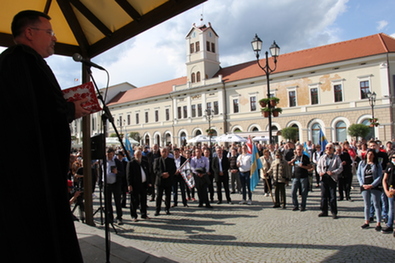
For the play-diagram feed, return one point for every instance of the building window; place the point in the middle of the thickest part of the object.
(179, 113)
(156, 116)
(208, 45)
(208, 105)
(193, 77)
(198, 76)
(167, 114)
(364, 85)
(216, 108)
(185, 111)
(137, 118)
(197, 45)
(193, 111)
(341, 131)
(213, 47)
(146, 117)
(235, 105)
(200, 111)
(338, 92)
(253, 103)
(128, 119)
(191, 48)
(292, 98)
(315, 132)
(314, 96)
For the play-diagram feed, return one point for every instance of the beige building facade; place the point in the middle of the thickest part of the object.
(320, 88)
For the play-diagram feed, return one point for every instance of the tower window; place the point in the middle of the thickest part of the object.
(193, 77)
(191, 48)
(198, 76)
(213, 47)
(197, 45)
(208, 46)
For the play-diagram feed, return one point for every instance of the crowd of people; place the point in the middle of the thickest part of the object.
(168, 173)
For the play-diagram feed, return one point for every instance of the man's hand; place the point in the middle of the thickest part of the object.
(80, 111)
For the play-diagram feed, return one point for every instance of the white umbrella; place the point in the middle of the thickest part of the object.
(231, 138)
(200, 138)
(260, 138)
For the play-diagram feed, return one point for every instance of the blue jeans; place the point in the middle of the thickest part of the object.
(390, 221)
(375, 196)
(296, 184)
(245, 183)
(384, 206)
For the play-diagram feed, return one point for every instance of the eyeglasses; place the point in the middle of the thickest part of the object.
(48, 31)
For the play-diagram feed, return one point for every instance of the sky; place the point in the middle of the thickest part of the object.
(159, 54)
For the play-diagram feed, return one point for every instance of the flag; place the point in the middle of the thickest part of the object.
(256, 166)
(306, 150)
(322, 140)
(128, 146)
(249, 145)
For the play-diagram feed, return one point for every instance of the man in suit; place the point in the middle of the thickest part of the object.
(179, 160)
(138, 180)
(220, 166)
(164, 169)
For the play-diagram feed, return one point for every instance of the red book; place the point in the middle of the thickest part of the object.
(83, 91)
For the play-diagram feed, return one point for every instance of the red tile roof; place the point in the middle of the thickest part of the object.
(356, 48)
(149, 91)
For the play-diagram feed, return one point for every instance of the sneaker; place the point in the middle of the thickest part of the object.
(266, 194)
(249, 202)
(387, 230)
(377, 228)
(243, 202)
(365, 226)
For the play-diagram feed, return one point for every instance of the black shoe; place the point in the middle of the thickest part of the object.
(334, 216)
(365, 226)
(168, 212)
(200, 205)
(219, 202)
(209, 206)
(120, 222)
(275, 206)
(302, 209)
(233, 192)
(156, 214)
(295, 209)
(284, 207)
(377, 228)
(186, 205)
(387, 230)
(230, 202)
(174, 205)
(340, 199)
(322, 214)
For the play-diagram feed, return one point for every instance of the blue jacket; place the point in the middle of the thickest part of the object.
(377, 173)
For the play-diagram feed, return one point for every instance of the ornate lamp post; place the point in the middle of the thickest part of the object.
(209, 116)
(274, 51)
(372, 103)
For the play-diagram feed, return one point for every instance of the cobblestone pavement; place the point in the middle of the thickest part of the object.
(249, 233)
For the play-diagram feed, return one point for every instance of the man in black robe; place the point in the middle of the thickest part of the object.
(36, 226)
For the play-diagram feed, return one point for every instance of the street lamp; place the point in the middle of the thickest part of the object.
(372, 101)
(274, 52)
(209, 116)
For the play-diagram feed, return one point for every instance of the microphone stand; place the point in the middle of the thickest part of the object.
(106, 116)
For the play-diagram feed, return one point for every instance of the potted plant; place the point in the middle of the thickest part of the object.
(276, 111)
(265, 111)
(373, 124)
(263, 102)
(274, 101)
(373, 120)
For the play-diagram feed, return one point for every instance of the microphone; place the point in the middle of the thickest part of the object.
(78, 58)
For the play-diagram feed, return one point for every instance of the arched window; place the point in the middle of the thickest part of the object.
(198, 132)
(193, 77)
(198, 76)
(341, 131)
(297, 134)
(183, 139)
(371, 133)
(315, 133)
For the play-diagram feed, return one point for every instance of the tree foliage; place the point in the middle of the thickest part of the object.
(290, 133)
(358, 130)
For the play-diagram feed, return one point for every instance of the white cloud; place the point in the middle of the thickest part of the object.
(381, 25)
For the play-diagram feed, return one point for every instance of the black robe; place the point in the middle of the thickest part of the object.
(35, 218)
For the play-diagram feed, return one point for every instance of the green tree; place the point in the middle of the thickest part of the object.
(358, 130)
(290, 133)
(135, 136)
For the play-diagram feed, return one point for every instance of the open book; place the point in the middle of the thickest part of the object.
(83, 91)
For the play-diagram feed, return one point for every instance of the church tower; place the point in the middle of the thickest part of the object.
(202, 53)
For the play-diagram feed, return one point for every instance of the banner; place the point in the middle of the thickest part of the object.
(256, 165)
(187, 175)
